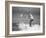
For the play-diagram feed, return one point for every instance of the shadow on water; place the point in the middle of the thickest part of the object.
(15, 27)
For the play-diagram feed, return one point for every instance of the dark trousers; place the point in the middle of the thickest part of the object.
(30, 22)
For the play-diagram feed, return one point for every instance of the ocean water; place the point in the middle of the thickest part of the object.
(25, 27)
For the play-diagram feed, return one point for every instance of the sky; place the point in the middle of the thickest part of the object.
(16, 11)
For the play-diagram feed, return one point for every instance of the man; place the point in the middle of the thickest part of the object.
(31, 19)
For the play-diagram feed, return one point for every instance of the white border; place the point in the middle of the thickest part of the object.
(23, 32)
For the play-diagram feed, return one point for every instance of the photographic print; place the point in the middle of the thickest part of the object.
(25, 19)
